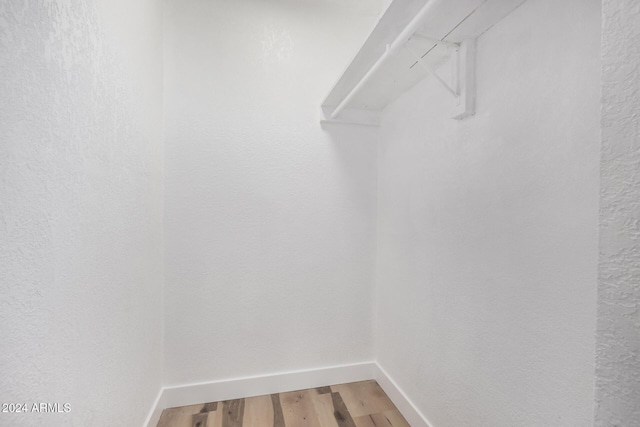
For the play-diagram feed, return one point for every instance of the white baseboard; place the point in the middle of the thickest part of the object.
(215, 391)
(156, 410)
(411, 413)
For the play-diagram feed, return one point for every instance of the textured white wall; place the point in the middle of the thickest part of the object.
(487, 238)
(269, 218)
(81, 209)
(618, 336)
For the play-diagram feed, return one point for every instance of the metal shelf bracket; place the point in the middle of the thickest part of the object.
(431, 71)
(465, 73)
(463, 89)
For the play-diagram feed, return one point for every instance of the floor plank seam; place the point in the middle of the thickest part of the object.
(359, 404)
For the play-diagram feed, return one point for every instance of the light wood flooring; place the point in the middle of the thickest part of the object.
(361, 404)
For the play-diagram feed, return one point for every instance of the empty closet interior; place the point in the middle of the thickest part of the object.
(224, 200)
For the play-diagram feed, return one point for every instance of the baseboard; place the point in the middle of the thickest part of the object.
(156, 410)
(214, 391)
(412, 414)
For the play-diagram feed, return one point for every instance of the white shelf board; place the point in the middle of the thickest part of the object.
(449, 20)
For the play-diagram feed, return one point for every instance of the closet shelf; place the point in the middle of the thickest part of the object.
(411, 41)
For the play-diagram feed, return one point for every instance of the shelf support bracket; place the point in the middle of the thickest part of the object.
(465, 72)
(464, 85)
(431, 71)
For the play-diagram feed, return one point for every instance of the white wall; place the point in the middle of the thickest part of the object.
(487, 238)
(81, 209)
(269, 218)
(618, 335)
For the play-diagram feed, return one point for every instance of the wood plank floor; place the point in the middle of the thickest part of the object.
(361, 404)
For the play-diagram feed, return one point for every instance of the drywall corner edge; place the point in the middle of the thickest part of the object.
(411, 413)
(215, 391)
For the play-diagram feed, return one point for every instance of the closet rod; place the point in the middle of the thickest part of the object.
(392, 48)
